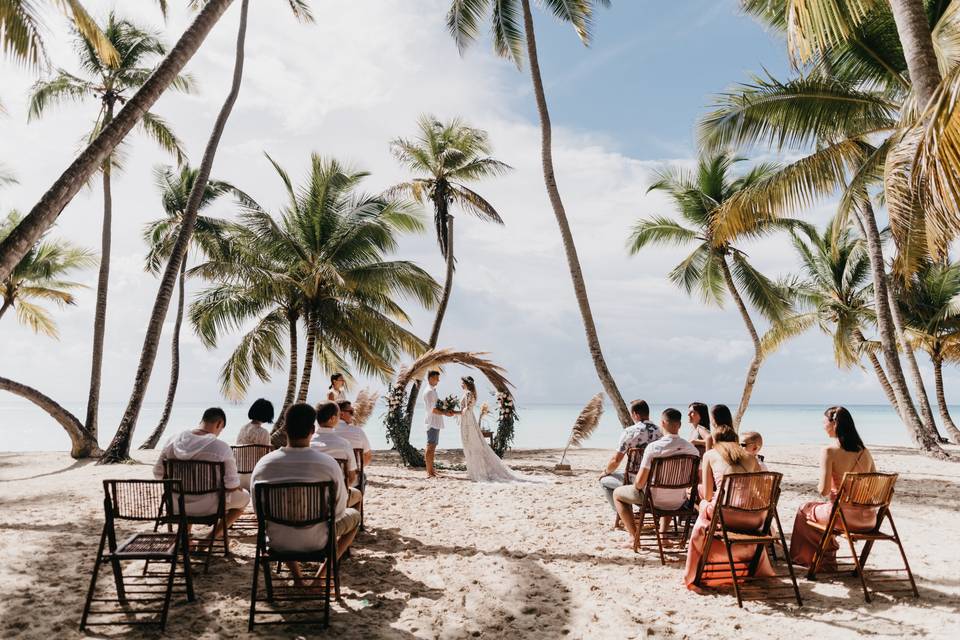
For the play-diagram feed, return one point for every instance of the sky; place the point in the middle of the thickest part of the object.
(344, 87)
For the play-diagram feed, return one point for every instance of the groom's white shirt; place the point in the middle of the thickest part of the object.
(432, 420)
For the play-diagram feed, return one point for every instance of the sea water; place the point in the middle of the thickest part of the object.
(24, 427)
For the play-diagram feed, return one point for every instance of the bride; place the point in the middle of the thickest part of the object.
(483, 465)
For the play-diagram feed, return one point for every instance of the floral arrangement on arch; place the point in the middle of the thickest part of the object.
(506, 420)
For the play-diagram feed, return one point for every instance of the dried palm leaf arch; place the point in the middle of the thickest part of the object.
(398, 421)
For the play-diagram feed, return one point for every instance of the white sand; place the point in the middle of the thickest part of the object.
(452, 559)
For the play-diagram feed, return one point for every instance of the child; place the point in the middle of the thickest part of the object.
(753, 442)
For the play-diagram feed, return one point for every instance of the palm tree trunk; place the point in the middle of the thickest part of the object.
(570, 249)
(103, 281)
(888, 341)
(757, 360)
(441, 309)
(881, 374)
(7, 303)
(913, 28)
(278, 436)
(308, 358)
(119, 449)
(45, 212)
(154, 438)
(82, 443)
(926, 412)
(942, 401)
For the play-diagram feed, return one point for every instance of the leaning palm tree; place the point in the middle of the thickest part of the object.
(119, 449)
(41, 277)
(833, 292)
(44, 214)
(323, 261)
(109, 85)
(716, 268)
(512, 28)
(930, 304)
(175, 187)
(848, 109)
(445, 156)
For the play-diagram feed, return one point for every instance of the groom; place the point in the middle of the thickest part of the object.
(433, 420)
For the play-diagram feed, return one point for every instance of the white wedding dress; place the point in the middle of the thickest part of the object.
(483, 465)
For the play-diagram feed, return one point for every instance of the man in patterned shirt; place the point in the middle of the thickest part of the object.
(640, 434)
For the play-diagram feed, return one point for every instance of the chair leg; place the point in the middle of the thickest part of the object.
(93, 582)
(656, 529)
(821, 548)
(856, 558)
(268, 579)
(733, 567)
(903, 554)
(118, 579)
(210, 540)
(638, 526)
(169, 593)
(786, 556)
(226, 542)
(187, 572)
(707, 543)
(326, 593)
(253, 590)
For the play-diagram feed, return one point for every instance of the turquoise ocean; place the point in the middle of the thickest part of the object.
(24, 427)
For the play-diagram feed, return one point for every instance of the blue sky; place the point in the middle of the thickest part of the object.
(360, 77)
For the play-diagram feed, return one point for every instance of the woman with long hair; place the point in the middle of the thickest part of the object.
(336, 392)
(699, 417)
(726, 456)
(845, 454)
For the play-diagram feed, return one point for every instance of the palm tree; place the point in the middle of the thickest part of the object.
(446, 155)
(323, 263)
(44, 214)
(40, 276)
(716, 267)
(109, 85)
(119, 449)
(930, 304)
(833, 293)
(512, 29)
(850, 103)
(21, 30)
(175, 187)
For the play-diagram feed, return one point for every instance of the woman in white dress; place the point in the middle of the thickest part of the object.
(483, 465)
(336, 391)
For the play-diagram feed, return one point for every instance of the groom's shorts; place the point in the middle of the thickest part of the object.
(433, 436)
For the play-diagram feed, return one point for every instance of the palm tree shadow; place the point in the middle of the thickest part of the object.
(77, 464)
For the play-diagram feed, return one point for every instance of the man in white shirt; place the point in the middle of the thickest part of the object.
(203, 443)
(642, 433)
(356, 436)
(433, 420)
(670, 444)
(301, 462)
(327, 440)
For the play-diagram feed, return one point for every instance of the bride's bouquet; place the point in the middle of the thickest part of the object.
(450, 403)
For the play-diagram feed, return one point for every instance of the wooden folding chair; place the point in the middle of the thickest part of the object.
(247, 456)
(634, 458)
(294, 504)
(673, 472)
(199, 478)
(864, 491)
(358, 454)
(139, 501)
(744, 497)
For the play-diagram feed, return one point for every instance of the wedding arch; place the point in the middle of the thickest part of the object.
(398, 420)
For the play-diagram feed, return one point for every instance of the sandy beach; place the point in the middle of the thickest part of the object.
(453, 559)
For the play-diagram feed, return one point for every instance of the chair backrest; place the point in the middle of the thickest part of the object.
(296, 504)
(674, 472)
(634, 458)
(869, 490)
(248, 455)
(196, 477)
(146, 500)
(358, 454)
(345, 468)
(750, 492)
(701, 448)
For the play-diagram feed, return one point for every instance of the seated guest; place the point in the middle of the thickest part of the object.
(726, 456)
(699, 416)
(203, 444)
(253, 432)
(642, 432)
(300, 462)
(327, 440)
(356, 436)
(670, 444)
(752, 443)
(846, 453)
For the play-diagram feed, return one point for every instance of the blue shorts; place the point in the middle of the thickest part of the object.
(433, 436)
